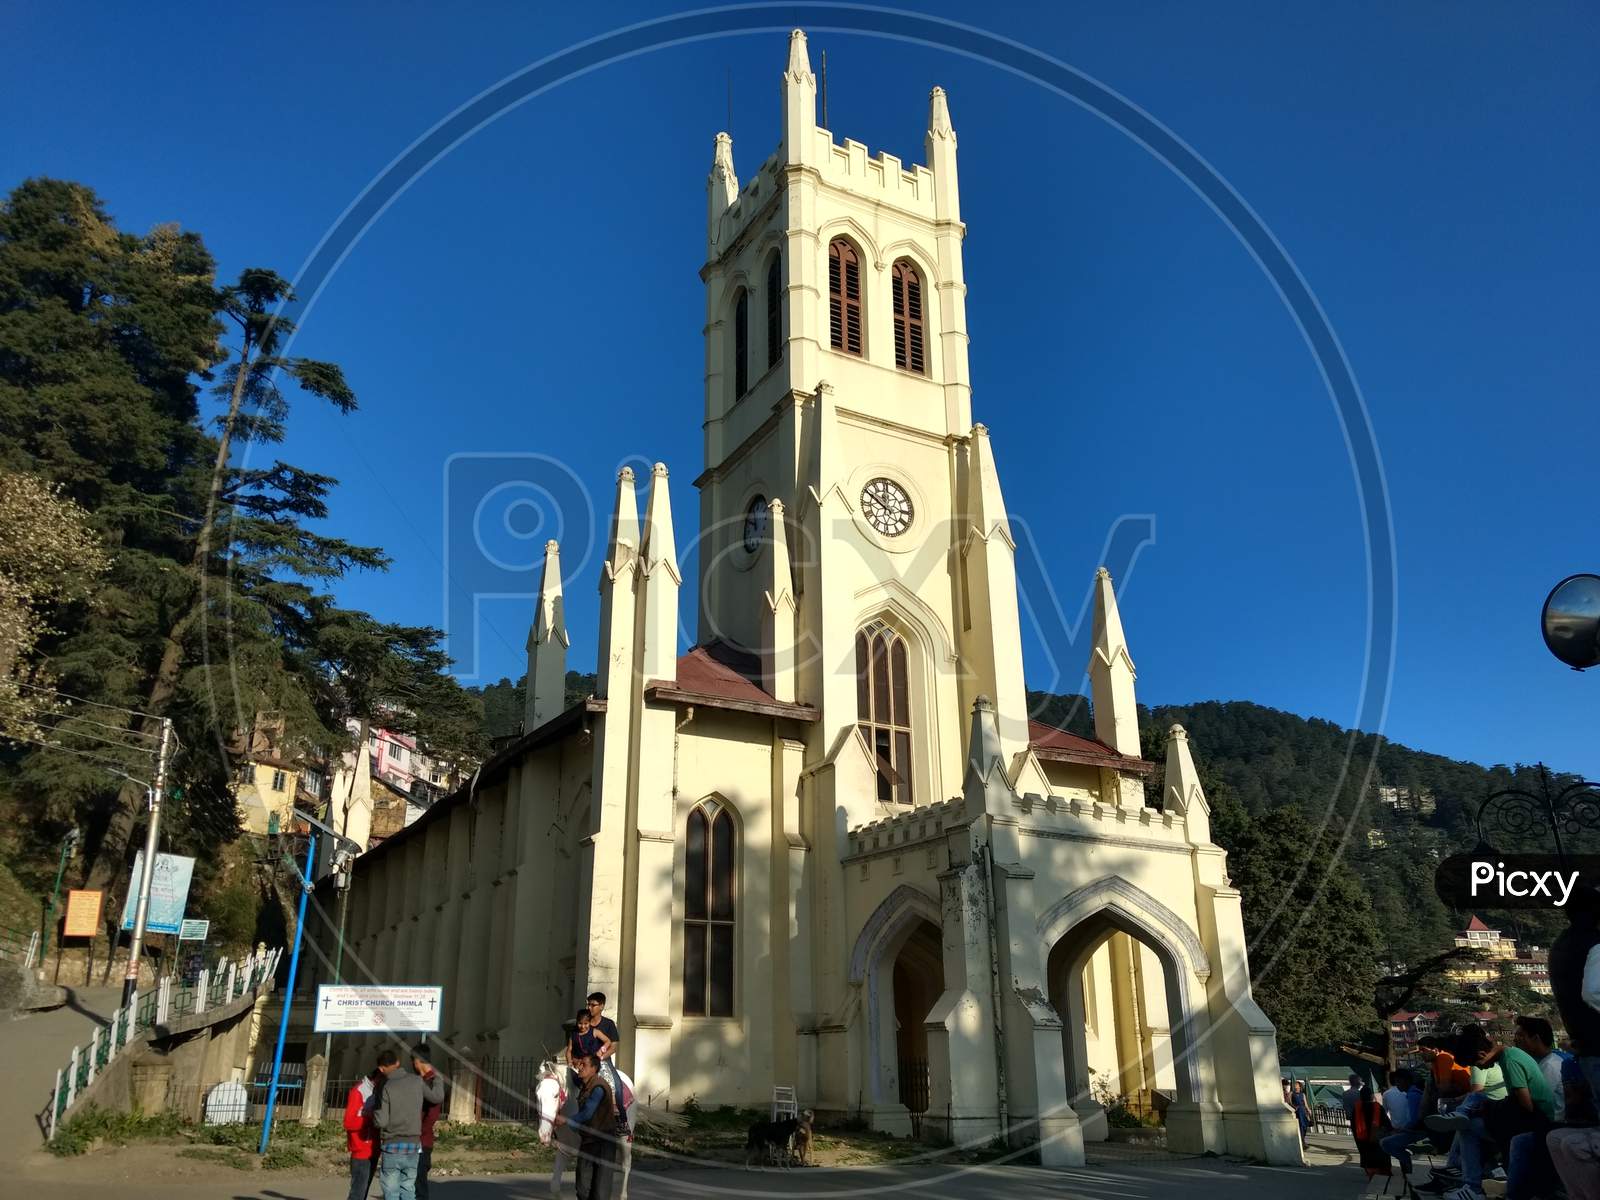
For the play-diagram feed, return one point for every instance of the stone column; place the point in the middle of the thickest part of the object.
(963, 1066)
(1037, 1087)
(316, 1086)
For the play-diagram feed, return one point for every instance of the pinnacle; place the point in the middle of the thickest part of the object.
(799, 68)
(939, 113)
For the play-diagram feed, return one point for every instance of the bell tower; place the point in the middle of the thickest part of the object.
(836, 384)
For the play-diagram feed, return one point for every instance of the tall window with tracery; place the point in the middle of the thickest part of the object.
(708, 911)
(909, 352)
(883, 708)
(844, 297)
(774, 311)
(741, 344)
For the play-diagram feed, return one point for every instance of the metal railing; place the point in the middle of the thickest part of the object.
(156, 1007)
(20, 944)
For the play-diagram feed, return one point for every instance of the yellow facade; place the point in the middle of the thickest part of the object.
(953, 931)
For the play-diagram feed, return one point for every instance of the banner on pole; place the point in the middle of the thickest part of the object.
(169, 893)
(83, 913)
(353, 1008)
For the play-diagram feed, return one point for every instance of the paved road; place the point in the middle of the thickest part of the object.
(32, 1048)
(1196, 1179)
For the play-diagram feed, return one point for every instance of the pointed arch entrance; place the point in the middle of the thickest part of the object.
(1101, 943)
(898, 962)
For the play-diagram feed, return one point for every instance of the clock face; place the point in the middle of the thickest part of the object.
(887, 507)
(755, 524)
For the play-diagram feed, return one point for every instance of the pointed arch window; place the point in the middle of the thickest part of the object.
(741, 344)
(909, 330)
(883, 708)
(844, 297)
(774, 311)
(710, 843)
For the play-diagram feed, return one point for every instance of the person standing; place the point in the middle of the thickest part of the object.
(433, 1100)
(1368, 1124)
(596, 1123)
(360, 1134)
(1575, 981)
(1301, 1103)
(399, 1122)
(1351, 1096)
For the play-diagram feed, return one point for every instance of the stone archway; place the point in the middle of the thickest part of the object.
(898, 962)
(1114, 913)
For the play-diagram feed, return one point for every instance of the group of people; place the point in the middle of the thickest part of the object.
(600, 1119)
(390, 1115)
(1526, 1102)
(389, 1119)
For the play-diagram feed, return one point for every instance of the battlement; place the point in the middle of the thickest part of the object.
(881, 177)
(925, 824)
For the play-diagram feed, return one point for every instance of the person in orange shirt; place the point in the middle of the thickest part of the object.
(1449, 1083)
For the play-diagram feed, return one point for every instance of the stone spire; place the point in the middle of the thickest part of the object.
(1111, 674)
(778, 610)
(546, 689)
(1184, 796)
(985, 788)
(722, 187)
(939, 148)
(660, 580)
(614, 662)
(799, 103)
(991, 643)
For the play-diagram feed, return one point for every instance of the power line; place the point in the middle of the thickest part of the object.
(106, 725)
(136, 749)
(33, 687)
(110, 764)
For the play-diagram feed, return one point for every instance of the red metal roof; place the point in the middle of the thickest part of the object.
(1050, 742)
(718, 669)
(1476, 926)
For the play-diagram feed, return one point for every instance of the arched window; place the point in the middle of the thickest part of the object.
(908, 327)
(844, 297)
(774, 311)
(883, 708)
(741, 344)
(708, 908)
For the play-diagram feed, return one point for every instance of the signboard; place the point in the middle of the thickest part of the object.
(194, 931)
(352, 1008)
(83, 914)
(169, 892)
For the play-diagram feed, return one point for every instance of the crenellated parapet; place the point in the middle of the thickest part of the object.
(926, 824)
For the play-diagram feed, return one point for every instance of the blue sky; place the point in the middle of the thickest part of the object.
(1429, 167)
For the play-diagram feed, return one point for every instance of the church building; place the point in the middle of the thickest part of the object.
(825, 847)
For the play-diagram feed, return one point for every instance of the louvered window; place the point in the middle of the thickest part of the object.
(708, 911)
(909, 331)
(774, 311)
(883, 708)
(741, 345)
(844, 297)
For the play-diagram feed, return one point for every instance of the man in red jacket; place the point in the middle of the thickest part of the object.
(421, 1064)
(360, 1134)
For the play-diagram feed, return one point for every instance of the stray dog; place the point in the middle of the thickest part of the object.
(769, 1141)
(802, 1139)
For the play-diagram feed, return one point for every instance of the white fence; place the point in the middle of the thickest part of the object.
(169, 999)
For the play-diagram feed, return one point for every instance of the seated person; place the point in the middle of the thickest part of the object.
(1405, 1111)
(1481, 1120)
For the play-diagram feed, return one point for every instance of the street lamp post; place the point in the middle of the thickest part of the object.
(1516, 812)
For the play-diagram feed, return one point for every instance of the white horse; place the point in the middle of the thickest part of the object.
(554, 1096)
